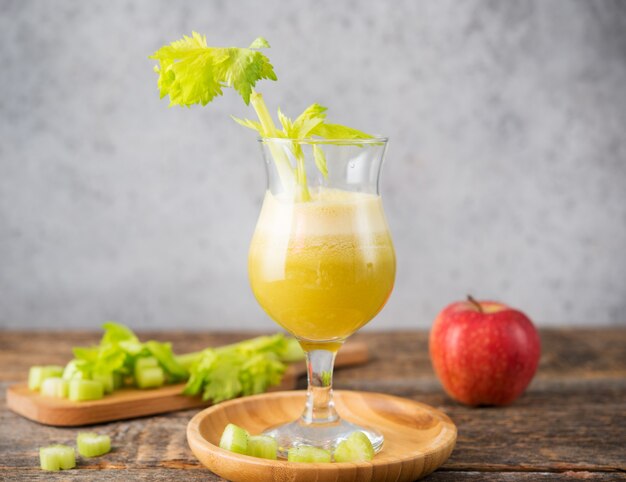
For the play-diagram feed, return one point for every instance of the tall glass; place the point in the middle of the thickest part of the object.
(322, 264)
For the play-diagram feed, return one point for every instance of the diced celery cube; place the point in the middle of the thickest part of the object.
(81, 390)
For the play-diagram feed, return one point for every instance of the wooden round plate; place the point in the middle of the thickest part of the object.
(418, 438)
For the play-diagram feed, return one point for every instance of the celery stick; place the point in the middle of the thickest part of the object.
(283, 167)
(262, 446)
(356, 448)
(57, 457)
(149, 377)
(91, 444)
(308, 453)
(235, 439)
(188, 359)
(81, 390)
(54, 387)
(38, 374)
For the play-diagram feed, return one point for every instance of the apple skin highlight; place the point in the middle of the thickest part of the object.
(484, 353)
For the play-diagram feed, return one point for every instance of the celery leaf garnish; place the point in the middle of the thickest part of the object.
(191, 72)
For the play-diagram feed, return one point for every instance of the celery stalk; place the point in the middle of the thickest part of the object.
(188, 359)
(283, 166)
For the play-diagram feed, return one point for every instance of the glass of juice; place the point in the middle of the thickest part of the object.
(322, 264)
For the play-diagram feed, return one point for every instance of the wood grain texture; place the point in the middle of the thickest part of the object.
(418, 438)
(569, 425)
(132, 402)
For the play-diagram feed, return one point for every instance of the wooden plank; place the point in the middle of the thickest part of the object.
(203, 475)
(570, 424)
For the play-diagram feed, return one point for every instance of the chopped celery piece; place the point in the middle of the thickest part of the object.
(308, 453)
(108, 384)
(38, 374)
(54, 387)
(72, 371)
(235, 439)
(57, 457)
(91, 444)
(356, 448)
(150, 377)
(81, 390)
(262, 446)
(164, 355)
(146, 362)
(148, 373)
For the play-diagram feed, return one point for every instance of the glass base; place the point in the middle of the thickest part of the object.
(322, 435)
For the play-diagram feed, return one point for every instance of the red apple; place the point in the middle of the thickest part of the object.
(484, 352)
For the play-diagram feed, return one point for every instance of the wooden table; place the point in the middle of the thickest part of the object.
(570, 424)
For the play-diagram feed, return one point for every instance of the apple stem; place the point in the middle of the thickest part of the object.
(475, 303)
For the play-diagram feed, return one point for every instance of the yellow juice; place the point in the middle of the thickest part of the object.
(324, 268)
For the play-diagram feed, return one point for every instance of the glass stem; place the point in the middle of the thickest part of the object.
(320, 408)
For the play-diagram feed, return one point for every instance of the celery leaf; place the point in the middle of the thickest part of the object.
(244, 368)
(259, 43)
(336, 131)
(320, 160)
(190, 72)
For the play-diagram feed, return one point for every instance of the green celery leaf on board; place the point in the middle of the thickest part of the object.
(260, 372)
(222, 382)
(244, 368)
(198, 371)
(116, 332)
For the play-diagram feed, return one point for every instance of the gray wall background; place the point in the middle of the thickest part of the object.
(505, 177)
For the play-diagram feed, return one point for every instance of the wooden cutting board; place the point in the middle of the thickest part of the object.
(131, 402)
